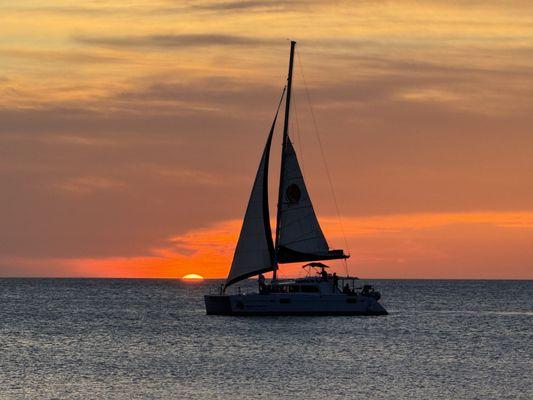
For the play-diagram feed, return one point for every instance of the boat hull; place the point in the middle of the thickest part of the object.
(287, 304)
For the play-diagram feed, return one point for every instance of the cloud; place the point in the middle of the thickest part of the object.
(85, 185)
(190, 177)
(174, 40)
(162, 8)
(60, 56)
(438, 245)
(205, 251)
(220, 96)
(233, 6)
(95, 11)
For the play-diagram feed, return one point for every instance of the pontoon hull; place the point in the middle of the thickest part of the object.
(295, 304)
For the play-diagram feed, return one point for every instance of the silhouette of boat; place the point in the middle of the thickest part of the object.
(298, 238)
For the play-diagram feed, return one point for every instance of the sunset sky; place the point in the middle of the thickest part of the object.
(130, 133)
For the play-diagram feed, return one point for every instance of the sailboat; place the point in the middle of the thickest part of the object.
(298, 238)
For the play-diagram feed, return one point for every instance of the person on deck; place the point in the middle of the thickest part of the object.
(335, 281)
(261, 281)
(324, 274)
(346, 289)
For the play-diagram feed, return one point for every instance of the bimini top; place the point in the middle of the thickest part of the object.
(315, 265)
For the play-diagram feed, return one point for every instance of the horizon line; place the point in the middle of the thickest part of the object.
(251, 279)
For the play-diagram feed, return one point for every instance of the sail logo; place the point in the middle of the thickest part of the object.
(293, 193)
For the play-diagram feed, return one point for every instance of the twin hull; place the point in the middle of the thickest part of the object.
(292, 304)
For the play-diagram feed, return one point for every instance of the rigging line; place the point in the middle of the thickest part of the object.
(296, 119)
(323, 157)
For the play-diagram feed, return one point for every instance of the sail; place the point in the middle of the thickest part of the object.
(300, 236)
(255, 250)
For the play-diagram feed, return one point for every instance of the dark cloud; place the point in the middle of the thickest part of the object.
(174, 41)
(273, 5)
(166, 9)
(72, 10)
(64, 56)
(217, 95)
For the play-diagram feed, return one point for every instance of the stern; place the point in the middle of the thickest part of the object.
(217, 305)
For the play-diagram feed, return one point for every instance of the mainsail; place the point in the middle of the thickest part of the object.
(255, 250)
(300, 236)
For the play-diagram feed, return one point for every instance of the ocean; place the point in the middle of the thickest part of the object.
(150, 339)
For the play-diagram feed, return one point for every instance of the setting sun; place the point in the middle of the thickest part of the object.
(193, 277)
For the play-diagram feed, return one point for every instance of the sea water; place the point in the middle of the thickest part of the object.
(151, 339)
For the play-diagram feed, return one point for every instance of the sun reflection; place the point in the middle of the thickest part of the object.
(193, 277)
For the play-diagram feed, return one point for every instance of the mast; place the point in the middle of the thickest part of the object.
(283, 150)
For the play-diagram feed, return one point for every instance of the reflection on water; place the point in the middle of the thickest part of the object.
(132, 339)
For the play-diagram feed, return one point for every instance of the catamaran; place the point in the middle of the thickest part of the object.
(298, 238)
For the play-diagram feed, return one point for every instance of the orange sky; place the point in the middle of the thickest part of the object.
(130, 133)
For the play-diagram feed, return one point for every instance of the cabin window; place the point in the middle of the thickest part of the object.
(310, 289)
(284, 301)
(351, 300)
(294, 288)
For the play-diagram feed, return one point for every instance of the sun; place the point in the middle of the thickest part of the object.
(193, 277)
